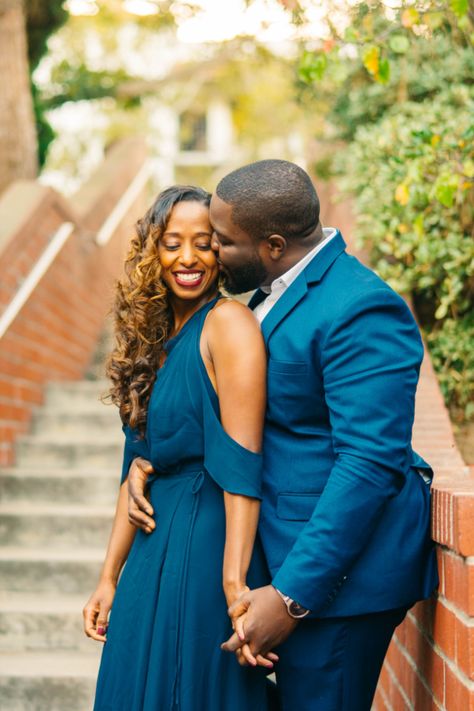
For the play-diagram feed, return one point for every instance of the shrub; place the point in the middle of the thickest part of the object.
(413, 177)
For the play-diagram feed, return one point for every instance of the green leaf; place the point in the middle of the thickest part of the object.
(445, 194)
(312, 67)
(399, 44)
(418, 224)
(445, 189)
(459, 7)
(350, 35)
(384, 71)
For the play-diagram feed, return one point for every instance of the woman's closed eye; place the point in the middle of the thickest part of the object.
(204, 245)
(171, 247)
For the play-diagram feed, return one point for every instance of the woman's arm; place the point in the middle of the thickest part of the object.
(234, 354)
(241, 514)
(98, 606)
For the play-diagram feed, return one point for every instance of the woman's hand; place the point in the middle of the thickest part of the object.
(96, 611)
(232, 592)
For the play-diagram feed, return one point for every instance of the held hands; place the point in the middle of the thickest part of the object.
(140, 511)
(260, 621)
(233, 594)
(96, 610)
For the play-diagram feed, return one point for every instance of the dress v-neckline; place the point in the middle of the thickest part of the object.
(171, 342)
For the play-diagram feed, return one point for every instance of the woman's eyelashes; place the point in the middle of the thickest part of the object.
(173, 247)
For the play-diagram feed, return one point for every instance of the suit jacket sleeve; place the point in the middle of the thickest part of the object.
(370, 363)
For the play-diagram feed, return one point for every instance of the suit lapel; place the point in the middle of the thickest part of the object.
(284, 305)
(313, 273)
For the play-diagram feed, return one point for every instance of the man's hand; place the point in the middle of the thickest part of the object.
(261, 622)
(140, 511)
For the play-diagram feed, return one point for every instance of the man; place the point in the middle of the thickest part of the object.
(345, 514)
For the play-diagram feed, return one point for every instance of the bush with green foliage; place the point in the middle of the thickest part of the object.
(397, 85)
(427, 67)
(413, 177)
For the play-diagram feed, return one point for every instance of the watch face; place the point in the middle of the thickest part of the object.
(297, 610)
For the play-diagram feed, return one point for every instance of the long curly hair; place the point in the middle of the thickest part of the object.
(142, 313)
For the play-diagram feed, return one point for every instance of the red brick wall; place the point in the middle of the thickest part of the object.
(56, 331)
(430, 662)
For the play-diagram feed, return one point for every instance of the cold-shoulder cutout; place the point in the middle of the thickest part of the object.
(233, 467)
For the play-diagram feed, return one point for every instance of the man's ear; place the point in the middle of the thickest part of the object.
(277, 246)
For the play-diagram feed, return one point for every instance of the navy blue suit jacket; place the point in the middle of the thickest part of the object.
(345, 518)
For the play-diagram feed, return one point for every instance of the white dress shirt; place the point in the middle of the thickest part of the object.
(280, 285)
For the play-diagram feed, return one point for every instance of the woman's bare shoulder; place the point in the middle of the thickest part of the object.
(231, 320)
(229, 312)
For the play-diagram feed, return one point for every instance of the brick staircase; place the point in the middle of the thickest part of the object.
(56, 508)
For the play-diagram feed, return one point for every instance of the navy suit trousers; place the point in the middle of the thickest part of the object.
(333, 664)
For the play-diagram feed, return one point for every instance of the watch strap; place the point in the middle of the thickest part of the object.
(294, 609)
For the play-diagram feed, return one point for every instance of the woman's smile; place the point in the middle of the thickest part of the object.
(188, 278)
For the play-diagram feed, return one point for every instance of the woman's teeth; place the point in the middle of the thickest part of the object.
(189, 278)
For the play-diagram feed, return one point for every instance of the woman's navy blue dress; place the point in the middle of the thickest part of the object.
(169, 615)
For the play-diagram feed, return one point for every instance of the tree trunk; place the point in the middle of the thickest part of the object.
(18, 142)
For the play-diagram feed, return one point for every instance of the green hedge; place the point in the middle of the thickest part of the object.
(413, 177)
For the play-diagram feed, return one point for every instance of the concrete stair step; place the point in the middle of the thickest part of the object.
(70, 387)
(67, 453)
(61, 525)
(82, 437)
(73, 393)
(73, 570)
(104, 420)
(32, 622)
(62, 485)
(35, 681)
(83, 409)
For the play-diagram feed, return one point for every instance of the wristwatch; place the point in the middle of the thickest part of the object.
(293, 608)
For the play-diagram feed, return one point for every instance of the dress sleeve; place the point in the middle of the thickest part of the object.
(234, 468)
(134, 447)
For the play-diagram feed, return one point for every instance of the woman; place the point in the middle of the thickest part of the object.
(188, 374)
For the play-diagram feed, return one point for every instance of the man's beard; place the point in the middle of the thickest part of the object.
(245, 277)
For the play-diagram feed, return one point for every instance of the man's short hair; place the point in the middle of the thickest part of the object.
(271, 197)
